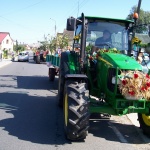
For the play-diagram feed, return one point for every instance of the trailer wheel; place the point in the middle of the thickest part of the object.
(63, 70)
(52, 74)
(76, 110)
(144, 121)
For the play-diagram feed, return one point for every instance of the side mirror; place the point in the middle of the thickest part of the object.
(71, 23)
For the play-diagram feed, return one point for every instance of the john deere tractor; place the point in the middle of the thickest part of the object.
(90, 75)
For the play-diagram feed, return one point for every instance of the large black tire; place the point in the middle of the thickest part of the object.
(144, 122)
(63, 70)
(76, 110)
(52, 72)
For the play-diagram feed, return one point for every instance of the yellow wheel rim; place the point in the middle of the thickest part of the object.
(66, 109)
(146, 119)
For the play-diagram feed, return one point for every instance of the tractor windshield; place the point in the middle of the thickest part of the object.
(107, 35)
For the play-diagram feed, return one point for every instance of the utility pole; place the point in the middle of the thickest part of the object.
(139, 6)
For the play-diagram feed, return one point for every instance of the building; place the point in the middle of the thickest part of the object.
(6, 42)
(143, 37)
(70, 35)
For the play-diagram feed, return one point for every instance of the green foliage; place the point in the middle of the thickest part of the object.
(143, 45)
(62, 41)
(5, 53)
(110, 50)
(148, 44)
(88, 48)
(144, 18)
(17, 48)
(51, 43)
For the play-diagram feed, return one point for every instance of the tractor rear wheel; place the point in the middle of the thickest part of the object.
(63, 70)
(144, 121)
(76, 110)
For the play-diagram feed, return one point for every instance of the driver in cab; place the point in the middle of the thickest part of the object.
(106, 38)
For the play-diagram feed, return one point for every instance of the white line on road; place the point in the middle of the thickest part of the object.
(118, 133)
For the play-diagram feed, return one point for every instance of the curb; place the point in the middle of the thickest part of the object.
(5, 62)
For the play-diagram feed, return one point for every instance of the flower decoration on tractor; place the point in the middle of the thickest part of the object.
(77, 37)
(110, 50)
(135, 85)
(136, 41)
(102, 51)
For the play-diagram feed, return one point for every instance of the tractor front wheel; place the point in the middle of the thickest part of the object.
(144, 121)
(76, 110)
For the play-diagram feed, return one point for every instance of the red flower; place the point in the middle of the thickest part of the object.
(148, 84)
(131, 93)
(136, 75)
(144, 88)
(106, 50)
(124, 82)
(147, 76)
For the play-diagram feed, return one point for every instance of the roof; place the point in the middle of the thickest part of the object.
(107, 19)
(3, 35)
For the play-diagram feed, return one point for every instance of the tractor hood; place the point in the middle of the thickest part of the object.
(121, 61)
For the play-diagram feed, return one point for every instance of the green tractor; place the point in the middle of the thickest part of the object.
(89, 80)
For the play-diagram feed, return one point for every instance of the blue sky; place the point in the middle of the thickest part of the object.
(28, 21)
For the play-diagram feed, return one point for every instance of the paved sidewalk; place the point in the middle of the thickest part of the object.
(5, 62)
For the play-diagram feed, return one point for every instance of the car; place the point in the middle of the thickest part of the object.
(23, 56)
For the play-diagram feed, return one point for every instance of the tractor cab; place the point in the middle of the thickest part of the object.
(93, 29)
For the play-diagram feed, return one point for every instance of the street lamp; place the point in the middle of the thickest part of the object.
(55, 25)
(55, 31)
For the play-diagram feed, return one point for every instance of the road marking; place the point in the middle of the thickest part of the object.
(118, 133)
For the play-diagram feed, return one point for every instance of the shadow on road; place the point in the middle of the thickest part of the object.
(39, 119)
(28, 82)
(35, 119)
(101, 126)
(29, 117)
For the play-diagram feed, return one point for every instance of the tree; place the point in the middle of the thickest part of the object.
(51, 43)
(62, 41)
(144, 18)
(18, 47)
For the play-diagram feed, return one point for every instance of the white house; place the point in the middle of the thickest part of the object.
(6, 42)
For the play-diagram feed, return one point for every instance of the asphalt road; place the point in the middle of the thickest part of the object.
(30, 118)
